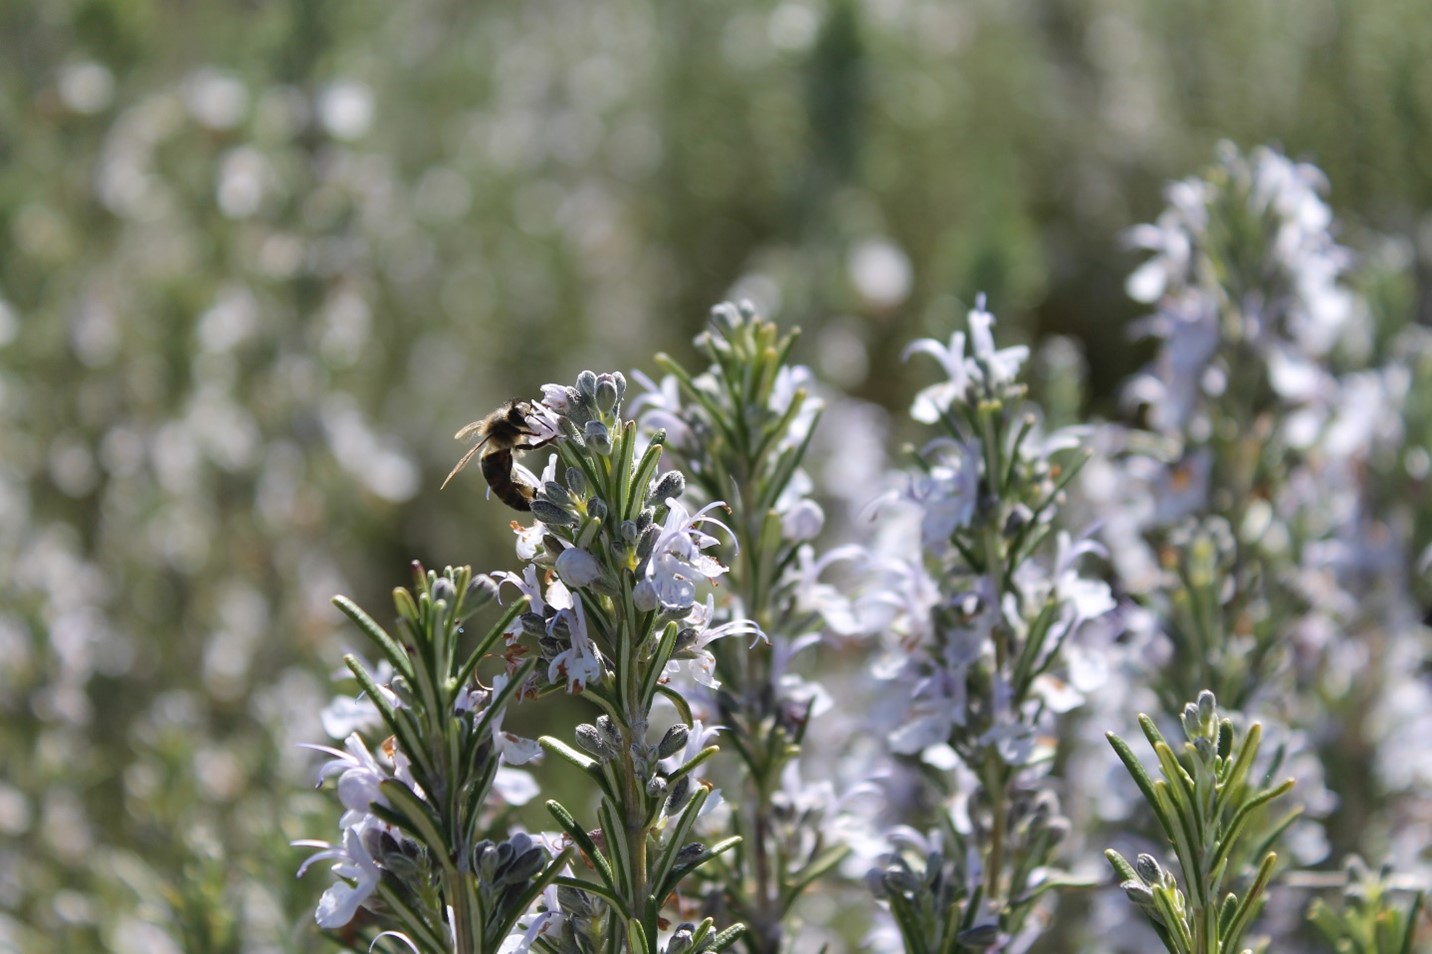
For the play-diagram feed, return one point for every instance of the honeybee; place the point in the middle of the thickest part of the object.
(517, 425)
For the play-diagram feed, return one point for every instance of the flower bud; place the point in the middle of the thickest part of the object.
(725, 317)
(484, 859)
(673, 741)
(598, 437)
(1148, 868)
(1139, 893)
(804, 521)
(671, 484)
(606, 393)
(681, 939)
(1207, 707)
(646, 543)
(656, 787)
(591, 738)
(1191, 726)
(1057, 829)
(680, 794)
(577, 567)
(1018, 519)
(576, 481)
(571, 431)
(442, 589)
(587, 384)
(481, 590)
(610, 732)
(523, 867)
(557, 494)
(981, 935)
(901, 881)
(551, 515)
(574, 901)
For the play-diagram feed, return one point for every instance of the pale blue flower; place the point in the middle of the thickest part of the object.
(352, 862)
(514, 749)
(692, 656)
(579, 663)
(577, 567)
(359, 778)
(948, 492)
(992, 367)
(936, 399)
(659, 408)
(676, 560)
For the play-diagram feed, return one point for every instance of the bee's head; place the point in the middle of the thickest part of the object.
(521, 419)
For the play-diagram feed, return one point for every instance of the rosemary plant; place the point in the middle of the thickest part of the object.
(978, 656)
(617, 627)
(741, 430)
(1208, 803)
(1369, 920)
(423, 849)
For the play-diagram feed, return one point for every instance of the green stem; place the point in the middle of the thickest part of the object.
(461, 915)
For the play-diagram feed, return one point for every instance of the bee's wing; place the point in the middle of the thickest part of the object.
(471, 453)
(469, 429)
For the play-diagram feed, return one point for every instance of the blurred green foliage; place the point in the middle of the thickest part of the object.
(258, 259)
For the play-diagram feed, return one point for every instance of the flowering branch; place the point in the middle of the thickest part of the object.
(979, 650)
(1207, 805)
(619, 623)
(417, 850)
(742, 428)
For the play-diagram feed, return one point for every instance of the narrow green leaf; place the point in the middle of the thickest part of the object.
(728, 937)
(1239, 822)
(665, 645)
(678, 873)
(683, 708)
(1243, 764)
(423, 934)
(1413, 916)
(818, 867)
(410, 812)
(695, 762)
(641, 481)
(1251, 902)
(1122, 869)
(674, 841)
(614, 835)
(1151, 731)
(592, 886)
(1226, 911)
(906, 918)
(567, 752)
(1266, 844)
(399, 721)
(395, 653)
(1145, 783)
(1326, 920)
(494, 633)
(637, 936)
(579, 835)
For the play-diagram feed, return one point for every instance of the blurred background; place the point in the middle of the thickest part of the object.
(259, 260)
